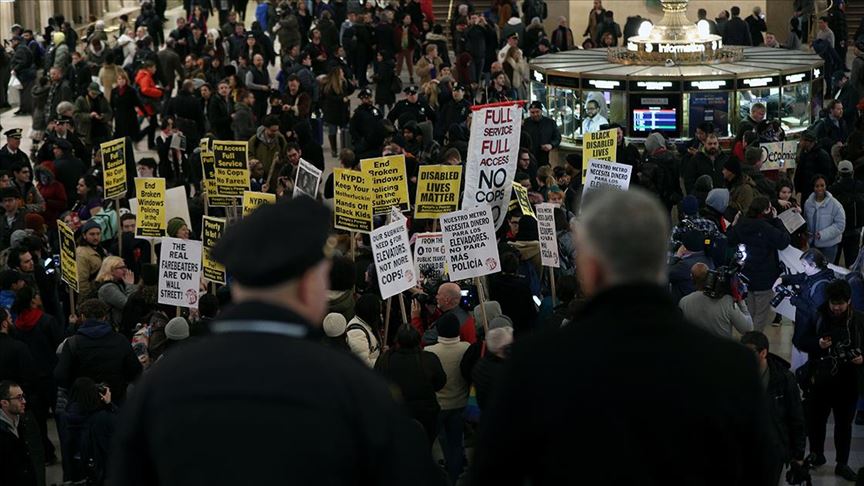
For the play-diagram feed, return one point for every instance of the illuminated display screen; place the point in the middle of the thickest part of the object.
(654, 120)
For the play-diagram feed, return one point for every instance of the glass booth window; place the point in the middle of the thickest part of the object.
(537, 91)
(770, 97)
(818, 98)
(795, 108)
(565, 109)
(601, 107)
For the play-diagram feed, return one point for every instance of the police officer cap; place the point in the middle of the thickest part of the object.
(365, 93)
(536, 105)
(62, 144)
(410, 89)
(64, 119)
(458, 87)
(275, 244)
(14, 133)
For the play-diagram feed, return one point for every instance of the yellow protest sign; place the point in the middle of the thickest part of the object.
(114, 168)
(522, 199)
(204, 145)
(389, 183)
(437, 190)
(252, 199)
(208, 171)
(352, 193)
(231, 169)
(150, 220)
(68, 263)
(211, 231)
(600, 145)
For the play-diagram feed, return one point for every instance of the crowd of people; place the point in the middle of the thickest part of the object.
(296, 353)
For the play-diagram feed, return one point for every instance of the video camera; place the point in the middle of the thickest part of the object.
(843, 352)
(781, 292)
(728, 280)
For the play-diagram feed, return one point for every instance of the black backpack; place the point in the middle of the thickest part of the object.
(853, 205)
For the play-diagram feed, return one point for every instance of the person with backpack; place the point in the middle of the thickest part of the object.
(89, 422)
(849, 192)
(363, 333)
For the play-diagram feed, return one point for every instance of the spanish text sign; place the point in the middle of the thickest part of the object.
(469, 243)
(179, 272)
(547, 235)
(603, 174)
(493, 150)
(437, 190)
(600, 145)
(389, 183)
(393, 262)
(114, 168)
(352, 194)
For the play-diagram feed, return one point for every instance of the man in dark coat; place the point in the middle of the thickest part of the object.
(221, 108)
(11, 154)
(24, 67)
(410, 109)
(343, 423)
(710, 410)
(812, 160)
(756, 24)
(736, 32)
(18, 467)
(707, 161)
(187, 112)
(453, 112)
(170, 64)
(367, 129)
(16, 361)
(543, 131)
(62, 130)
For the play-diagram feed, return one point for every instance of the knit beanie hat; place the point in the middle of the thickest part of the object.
(34, 221)
(18, 237)
(493, 310)
(733, 165)
(177, 329)
(174, 225)
(448, 325)
(89, 225)
(703, 184)
(654, 142)
(718, 200)
(690, 205)
(334, 324)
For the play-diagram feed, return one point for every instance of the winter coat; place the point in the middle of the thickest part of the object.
(115, 294)
(424, 69)
(89, 263)
(529, 251)
(825, 217)
(335, 106)
(150, 93)
(810, 296)
(485, 375)
(737, 33)
(542, 132)
(680, 281)
(123, 103)
(418, 375)
(764, 238)
(243, 122)
(785, 410)
(365, 345)
(62, 58)
(701, 164)
(289, 32)
(741, 193)
(513, 292)
(808, 164)
(99, 353)
(18, 468)
(41, 333)
(385, 72)
(220, 117)
(342, 302)
(90, 130)
(54, 195)
(265, 151)
(454, 394)
(6, 229)
(16, 361)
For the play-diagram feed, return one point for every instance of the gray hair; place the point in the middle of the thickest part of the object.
(498, 339)
(64, 106)
(626, 231)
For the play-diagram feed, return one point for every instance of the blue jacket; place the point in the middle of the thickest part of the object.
(827, 218)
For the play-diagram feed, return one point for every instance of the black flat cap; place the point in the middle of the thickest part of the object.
(275, 244)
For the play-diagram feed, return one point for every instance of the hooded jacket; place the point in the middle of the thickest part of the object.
(825, 217)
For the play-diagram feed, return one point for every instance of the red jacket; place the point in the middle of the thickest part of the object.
(55, 198)
(467, 333)
(150, 93)
(413, 36)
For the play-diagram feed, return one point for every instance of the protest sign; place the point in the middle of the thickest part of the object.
(601, 145)
(179, 272)
(68, 263)
(204, 146)
(469, 243)
(437, 190)
(151, 220)
(393, 262)
(547, 235)
(522, 199)
(352, 194)
(792, 220)
(779, 155)
(493, 151)
(252, 199)
(208, 171)
(429, 257)
(114, 168)
(603, 174)
(307, 180)
(389, 182)
(231, 169)
(211, 231)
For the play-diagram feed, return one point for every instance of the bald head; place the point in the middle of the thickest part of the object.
(449, 295)
(699, 275)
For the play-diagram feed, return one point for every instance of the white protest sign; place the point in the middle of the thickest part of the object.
(469, 243)
(547, 235)
(792, 220)
(179, 272)
(779, 155)
(393, 261)
(604, 174)
(429, 257)
(493, 150)
(306, 182)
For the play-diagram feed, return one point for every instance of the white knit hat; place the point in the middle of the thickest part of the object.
(177, 329)
(335, 324)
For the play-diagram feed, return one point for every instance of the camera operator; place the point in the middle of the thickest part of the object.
(691, 252)
(763, 234)
(784, 407)
(716, 315)
(834, 346)
(448, 297)
(809, 296)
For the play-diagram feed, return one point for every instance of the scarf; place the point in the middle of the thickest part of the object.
(28, 318)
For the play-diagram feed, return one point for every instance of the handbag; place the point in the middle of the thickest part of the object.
(15, 83)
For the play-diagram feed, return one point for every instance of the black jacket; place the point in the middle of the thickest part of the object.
(17, 467)
(701, 403)
(542, 132)
(418, 375)
(763, 237)
(737, 33)
(367, 131)
(42, 341)
(485, 376)
(16, 362)
(286, 387)
(815, 161)
(700, 164)
(785, 411)
(99, 353)
(514, 294)
(220, 117)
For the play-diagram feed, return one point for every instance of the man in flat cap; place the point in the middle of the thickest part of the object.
(261, 401)
(11, 153)
(93, 117)
(411, 109)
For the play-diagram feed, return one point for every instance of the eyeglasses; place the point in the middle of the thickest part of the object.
(20, 398)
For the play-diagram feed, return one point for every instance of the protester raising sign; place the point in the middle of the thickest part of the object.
(232, 171)
(211, 231)
(352, 194)
(547, 235)
(306, 182)
(600, 145)
(252, 200)
(493, 150)
(779, 155)
(179, 272)
(114, 168)
(208, 172)
(437, 190)
(469, 243)
(429, 256)
(522, 198)
(393, 262)
(389, 183)
(607, 174)
(151, 220)
(68, 263)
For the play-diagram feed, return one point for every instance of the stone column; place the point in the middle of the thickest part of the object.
(7, 14)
